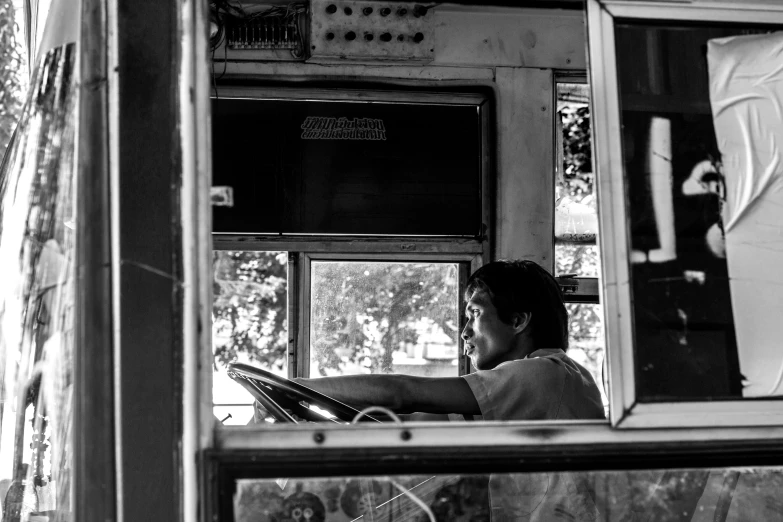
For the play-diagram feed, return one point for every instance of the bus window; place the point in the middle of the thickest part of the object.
(688, 212)
(577, 259)
(576, 214)
(249, 323)
(688, 495)
(373, 317)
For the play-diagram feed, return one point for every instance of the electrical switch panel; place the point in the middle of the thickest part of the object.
(370, 31)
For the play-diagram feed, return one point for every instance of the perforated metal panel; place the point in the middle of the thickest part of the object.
(370, 31)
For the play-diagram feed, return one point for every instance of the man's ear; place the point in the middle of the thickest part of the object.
(520, 321)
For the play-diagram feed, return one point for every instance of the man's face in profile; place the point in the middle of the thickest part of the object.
(488, 340)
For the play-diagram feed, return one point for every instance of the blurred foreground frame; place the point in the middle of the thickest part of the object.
(37, 253)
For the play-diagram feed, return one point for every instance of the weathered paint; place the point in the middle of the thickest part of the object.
(526, 166)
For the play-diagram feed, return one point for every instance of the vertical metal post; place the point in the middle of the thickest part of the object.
(93, 428)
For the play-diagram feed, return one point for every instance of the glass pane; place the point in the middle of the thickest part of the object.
(577, 259)
(688, 261)
(576, 215)
(729, 495)
(37, 292)
(369, 317)
(586, 341)
(249, 324)
(346, 167)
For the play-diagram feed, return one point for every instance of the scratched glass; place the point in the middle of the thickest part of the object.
(249, 324)
(699, 332)
(37, 253)
(370, 317)
(726, 495)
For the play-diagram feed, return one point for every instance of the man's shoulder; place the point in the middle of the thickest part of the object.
(540, 357)
(541, 362)
(544, 361)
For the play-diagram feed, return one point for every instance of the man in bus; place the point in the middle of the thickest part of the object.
(516, 336)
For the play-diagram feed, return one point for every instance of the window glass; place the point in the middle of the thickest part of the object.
(688, 495)
(37, 292)
(586, 341)
(576, 217)
(348, 167)
(576, 225)
(249, 324)
(579, 259)
(690, 260)
(373, 317)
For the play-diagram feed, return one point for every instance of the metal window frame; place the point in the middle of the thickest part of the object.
(614, 242)
(470, 96)
(466, 253)
(470, 448)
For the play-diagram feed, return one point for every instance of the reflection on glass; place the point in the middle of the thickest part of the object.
(369, 317)
(621, 496)
(249, 324)
(684, 327)
(37, 296)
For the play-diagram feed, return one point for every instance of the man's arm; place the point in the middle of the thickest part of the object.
(399, 393)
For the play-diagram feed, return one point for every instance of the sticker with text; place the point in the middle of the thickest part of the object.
(321, 128)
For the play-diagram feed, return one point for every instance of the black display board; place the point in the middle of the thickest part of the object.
(345, 167)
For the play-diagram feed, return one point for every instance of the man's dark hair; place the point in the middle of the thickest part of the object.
(523, 286)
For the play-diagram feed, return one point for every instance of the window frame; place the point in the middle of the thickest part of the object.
(466, 253)
(469, 96)
(614, 242)
(322, 450)
(299, 451)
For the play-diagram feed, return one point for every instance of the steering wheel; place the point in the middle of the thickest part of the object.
(278, 394)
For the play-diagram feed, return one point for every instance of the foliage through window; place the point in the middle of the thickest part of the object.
(370, 317)
(249, 324)
(576, 222)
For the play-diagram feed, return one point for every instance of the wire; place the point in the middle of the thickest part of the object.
(419, 502)
(289, 15)
(378, 409)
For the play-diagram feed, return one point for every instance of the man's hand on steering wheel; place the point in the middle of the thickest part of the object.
(284, 399)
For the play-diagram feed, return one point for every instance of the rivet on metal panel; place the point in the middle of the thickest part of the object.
(367, 11)
(368, 36)
(329, 36)
(385, 11)
(350, 36)
(348, 11)
(405, 435)
(319, 437)
(402, 11)
(331, 9)
(401, 38)
(418, 37)
(386, 37)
